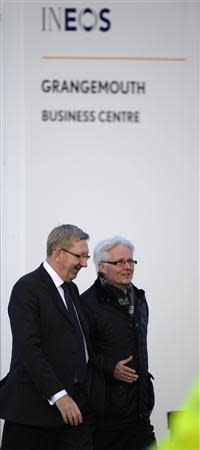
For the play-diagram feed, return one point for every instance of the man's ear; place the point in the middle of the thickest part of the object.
(102, 268)
(57, 254)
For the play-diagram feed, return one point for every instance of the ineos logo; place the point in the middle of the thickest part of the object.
(74, 19)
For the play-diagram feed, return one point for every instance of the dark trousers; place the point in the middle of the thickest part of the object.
(26, 437)
(65, 437)
(138, 435)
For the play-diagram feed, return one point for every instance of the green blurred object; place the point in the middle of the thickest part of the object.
(184, 425)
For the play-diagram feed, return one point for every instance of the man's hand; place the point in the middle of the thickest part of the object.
(125, 373)
(70, 412)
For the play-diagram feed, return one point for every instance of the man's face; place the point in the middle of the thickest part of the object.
(68, 264)
(119, 277)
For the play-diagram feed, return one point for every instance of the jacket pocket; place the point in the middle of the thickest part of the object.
(146, 396)
(116, 399)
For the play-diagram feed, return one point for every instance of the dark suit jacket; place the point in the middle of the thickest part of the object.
(44, 350)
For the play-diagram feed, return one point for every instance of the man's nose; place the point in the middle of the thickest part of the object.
(83, 261)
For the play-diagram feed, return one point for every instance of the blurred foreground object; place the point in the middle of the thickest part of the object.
(185, 424)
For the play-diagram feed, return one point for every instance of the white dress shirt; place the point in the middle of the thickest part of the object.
(58, 281)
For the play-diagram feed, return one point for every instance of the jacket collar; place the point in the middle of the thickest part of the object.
(104, 297)
(56, 298)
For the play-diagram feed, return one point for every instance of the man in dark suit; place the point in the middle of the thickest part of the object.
(43, 399)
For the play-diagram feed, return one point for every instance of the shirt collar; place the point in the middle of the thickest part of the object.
(53, 274)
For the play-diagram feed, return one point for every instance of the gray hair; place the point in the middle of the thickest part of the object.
(101, 251)
(64, 235)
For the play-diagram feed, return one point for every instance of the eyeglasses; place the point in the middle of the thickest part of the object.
(76, 254)
(121, 262)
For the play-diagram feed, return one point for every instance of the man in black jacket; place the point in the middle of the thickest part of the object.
(43, 399)
(117, 315)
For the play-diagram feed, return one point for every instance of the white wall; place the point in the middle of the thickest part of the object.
(139, 180)
(12, 166)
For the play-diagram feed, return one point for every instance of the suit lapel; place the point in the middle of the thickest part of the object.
(52, 291)
(56, 298)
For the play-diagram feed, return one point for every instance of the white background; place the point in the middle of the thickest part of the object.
(138, 180)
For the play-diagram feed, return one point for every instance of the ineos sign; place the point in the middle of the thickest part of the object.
(75, 19)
